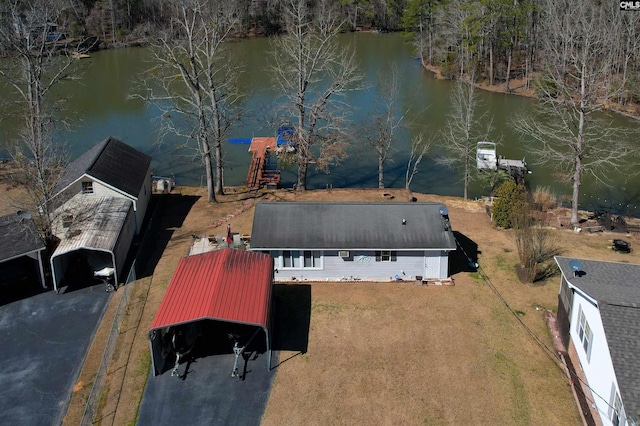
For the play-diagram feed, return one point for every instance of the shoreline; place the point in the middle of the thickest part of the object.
(629, 111)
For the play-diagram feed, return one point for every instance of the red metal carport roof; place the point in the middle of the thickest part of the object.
(226, 285)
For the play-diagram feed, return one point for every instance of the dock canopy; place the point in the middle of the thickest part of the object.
(228, 285)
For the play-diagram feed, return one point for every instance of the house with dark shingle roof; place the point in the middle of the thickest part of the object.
(599, 313)
(110, 169)
(20, 249)
(354, 241)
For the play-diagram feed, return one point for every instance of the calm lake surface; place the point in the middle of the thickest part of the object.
(100, 105)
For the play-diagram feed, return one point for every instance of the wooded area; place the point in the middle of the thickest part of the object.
(499, 41)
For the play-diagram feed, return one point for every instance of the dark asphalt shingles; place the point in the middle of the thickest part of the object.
(43, 342)
(208, 395)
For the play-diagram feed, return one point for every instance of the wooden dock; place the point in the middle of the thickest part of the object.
(258, 173)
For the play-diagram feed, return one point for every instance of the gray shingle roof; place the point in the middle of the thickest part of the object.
(604, 281)
(18, 236)
(622, 327)
(113, 162)
(616, 289)
(346, 226)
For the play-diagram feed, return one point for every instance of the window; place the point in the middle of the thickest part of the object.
(301, 259)
(312, 259)
(87, 187)
(615, 407)
(386, 256)
(585, 333)
(291, 259)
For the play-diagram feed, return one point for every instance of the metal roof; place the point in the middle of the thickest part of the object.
(96, 224)
(226, 285)
(112, 162)
(616, 289)
(18, 236)
(338, 226)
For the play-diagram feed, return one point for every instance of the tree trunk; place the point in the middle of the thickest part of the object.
(302, 176)
(380, 172)
(490, 63)
(509, 58)
(578, 152)
(211, 195)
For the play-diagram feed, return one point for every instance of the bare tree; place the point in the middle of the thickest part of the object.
(462, 131)
(35, 58)
(385, 121)
(419, 148)
(537, 246)
(198, 90)
(576, 84)
(313, 73)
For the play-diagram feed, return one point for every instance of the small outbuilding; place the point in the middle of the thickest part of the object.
(354, 241)
(21, 250)
(211, 297)
(95, 235)
(111, 168)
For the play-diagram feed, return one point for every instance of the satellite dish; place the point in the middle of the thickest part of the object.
(444, 211)
(576, 267)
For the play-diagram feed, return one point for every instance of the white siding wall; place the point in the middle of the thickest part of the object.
(362, 265)
(143, 201)
(598, 368)
(99, 190)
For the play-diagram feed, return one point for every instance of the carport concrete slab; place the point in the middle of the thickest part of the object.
(43, 342)
(208, 395)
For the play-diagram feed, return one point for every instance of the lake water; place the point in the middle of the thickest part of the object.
(101, 105)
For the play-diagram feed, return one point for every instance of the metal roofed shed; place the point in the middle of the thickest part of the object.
(217, 294)
(20, 249)
(95, 233)
(353, 241)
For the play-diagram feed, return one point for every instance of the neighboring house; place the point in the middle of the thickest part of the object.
(110, 169)
(354, 241)
(21, 250)
(599, 312)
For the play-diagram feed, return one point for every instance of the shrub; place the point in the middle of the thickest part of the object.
(544, 199)
(509, 199)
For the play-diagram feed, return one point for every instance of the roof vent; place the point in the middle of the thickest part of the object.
(404, 221)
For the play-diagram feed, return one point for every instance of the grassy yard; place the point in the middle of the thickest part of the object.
(381, 353)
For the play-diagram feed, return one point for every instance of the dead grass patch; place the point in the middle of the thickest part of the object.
(391, 353)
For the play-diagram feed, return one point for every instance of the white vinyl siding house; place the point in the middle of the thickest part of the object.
(354, 241)
(110, 169)
(600, 305)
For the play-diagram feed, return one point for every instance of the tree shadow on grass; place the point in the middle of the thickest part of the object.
(291, 318)
(466, 255)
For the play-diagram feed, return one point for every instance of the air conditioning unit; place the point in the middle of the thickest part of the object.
(343, 253)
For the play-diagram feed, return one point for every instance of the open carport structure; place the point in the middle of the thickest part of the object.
(213, 298)
(95, 236)
(20, 249)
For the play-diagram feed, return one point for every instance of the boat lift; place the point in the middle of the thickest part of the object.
(486, 159)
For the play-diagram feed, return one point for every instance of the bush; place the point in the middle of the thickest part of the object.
(544, 199)
(509, 200)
